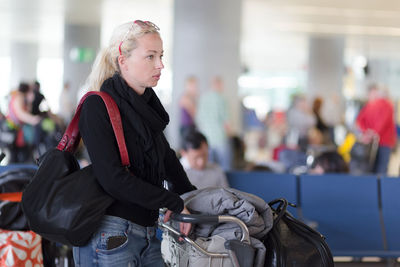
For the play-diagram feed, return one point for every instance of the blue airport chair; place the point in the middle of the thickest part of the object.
(344, 208)
(266, 185)
(10, 167)
(391, 213)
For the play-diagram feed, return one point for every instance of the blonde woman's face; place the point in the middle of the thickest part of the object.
(143, 67)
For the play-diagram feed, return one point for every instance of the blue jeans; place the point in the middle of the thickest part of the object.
(382, 160)
(132, 245)
(221, 155)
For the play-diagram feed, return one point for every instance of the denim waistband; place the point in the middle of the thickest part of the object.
(120, 224)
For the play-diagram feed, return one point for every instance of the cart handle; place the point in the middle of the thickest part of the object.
(194, 218)
(198, 218)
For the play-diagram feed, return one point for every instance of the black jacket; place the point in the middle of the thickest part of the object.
(138, 193)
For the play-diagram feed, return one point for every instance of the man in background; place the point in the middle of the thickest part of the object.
(212, 120)
(376, 119)
(200, 171)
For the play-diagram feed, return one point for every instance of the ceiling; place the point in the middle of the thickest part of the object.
(369, 26)
(274, 33)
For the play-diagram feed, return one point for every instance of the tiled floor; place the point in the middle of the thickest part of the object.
(367, 264)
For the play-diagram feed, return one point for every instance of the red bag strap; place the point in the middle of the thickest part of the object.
(13, 197)
(71, 137)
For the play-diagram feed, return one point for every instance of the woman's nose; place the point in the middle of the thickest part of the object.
(159, 64)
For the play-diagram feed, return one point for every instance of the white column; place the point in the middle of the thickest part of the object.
(76, 39)
(206, 44)
(325, 75)
(24, 57)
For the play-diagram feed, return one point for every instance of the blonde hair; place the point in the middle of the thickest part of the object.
(124, 39)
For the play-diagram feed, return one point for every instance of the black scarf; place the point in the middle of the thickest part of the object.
(147, 118)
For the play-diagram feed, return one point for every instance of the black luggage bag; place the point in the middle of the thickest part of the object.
(291, 243)
(11, 214)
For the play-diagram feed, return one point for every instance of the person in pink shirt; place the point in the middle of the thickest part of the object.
(376, 118)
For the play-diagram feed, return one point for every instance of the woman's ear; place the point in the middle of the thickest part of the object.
(121, 61)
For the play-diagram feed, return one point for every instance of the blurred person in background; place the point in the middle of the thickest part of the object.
(38, 98)
(49, 131)
(300, 120)
(325, 130)
(23, 121)
(329, 162)
(212, 121)
(376, 119)
(200, 171)
(67, 104)
(188, 106)
(239, 161)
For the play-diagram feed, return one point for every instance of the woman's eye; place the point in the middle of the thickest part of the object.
(150, 57)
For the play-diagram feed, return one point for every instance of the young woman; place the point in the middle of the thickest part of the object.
(126, 70)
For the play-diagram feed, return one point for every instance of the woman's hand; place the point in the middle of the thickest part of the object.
(183, 227)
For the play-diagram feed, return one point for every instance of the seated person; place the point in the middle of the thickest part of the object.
(329, 162)
(200, 171)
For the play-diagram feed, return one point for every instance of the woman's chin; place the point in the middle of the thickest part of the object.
(153, 84)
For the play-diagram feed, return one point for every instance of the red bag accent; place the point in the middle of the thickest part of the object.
(70, 140)
(20, 142)
(13, 197)
(20, 248)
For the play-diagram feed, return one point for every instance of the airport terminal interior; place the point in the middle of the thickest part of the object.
(294, 76)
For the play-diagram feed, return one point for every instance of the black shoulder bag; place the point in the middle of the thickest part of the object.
(64, 203)
(291, 243)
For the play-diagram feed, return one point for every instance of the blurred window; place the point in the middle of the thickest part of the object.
(50, 75)
(5, 72)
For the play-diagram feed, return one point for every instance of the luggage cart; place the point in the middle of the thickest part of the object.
(363, 156)
(239, 252)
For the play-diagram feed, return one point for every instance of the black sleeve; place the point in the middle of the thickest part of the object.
(98, 136)
(176, 175)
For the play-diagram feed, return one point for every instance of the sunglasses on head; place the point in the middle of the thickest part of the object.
(142, 24)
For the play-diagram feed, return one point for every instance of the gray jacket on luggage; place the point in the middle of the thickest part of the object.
(252, 210)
